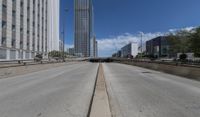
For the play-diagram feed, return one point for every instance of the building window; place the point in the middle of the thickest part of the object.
(38, 36)
(4, 22)
(13, 42)
(21, 23)
(46, 47)
(28, 25)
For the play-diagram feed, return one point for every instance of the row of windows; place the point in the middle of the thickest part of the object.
(4, 24)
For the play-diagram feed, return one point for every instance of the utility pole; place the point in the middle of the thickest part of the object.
(65, 11)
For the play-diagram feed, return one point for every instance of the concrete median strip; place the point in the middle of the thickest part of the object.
(100, 104)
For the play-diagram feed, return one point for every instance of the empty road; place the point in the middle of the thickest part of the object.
(138, 92)
(66, 91)
(57, 92)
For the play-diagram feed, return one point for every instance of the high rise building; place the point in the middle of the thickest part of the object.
(96, 49)
(83, 27)
(53, 26)
(93, 47)
(28, 27)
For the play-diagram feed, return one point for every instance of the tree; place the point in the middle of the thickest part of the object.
(179, 42)
(174, 42)
(56, 54)
(195, 42)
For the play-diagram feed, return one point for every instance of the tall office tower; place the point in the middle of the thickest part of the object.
(83, 27)
(93, 47)
(96, 49)
(26, 28)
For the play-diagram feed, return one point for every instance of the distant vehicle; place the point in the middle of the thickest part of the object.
(38, 58)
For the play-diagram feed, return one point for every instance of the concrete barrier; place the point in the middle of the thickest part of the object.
(188, 72)
(21, 70)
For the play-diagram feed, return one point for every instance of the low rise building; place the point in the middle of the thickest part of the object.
(119, 54)
(158, 47)
(114, 55)
(130, 49)
(71, 51)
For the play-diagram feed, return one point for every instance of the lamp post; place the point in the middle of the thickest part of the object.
(65, 11)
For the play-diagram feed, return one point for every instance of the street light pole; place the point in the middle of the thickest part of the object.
(65, 11)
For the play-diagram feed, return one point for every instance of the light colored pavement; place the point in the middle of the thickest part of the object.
(21, 70)
(64, 91)
(138, 92)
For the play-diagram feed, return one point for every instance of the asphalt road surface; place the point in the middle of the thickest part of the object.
(57, 92)
(138, 92)
(66, 91)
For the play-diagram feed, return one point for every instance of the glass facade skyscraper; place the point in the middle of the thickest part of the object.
(83, 27)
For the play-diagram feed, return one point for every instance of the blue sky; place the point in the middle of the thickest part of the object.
(118, 22)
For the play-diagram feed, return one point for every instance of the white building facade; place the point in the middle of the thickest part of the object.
(28, 27)
(130, 49)
(53, 26)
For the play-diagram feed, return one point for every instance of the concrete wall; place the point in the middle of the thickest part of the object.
(188, 72)
(21, 70)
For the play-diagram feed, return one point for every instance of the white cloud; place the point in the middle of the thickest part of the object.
(183, 29)
(188, 28)
(107, 46)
